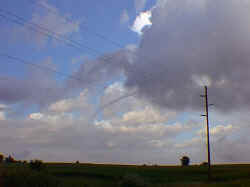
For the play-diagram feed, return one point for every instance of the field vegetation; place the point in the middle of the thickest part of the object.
(94, 175)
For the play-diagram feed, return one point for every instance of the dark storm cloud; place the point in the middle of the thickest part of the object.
(189, 40)
(106, 68)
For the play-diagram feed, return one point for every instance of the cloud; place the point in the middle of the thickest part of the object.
(36, 116)
(227, 144)
(140, 5)
(183, 49)
(147, 115)
(71, 104)
(131, 47)
(142, 21)
(67, 125)
(111, 93)
(67, 110)
(54, 22)
(79, 59)
(22, 155)
(2, 116)
(36, 87)
(121, 138)
(153, 130)
(219, 129)
(124, 18)
(190, 44)
(149, 130)
(101, 70)
(3, 109)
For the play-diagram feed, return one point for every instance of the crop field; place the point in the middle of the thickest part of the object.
(88, 175)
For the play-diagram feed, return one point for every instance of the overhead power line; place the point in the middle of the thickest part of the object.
(45, 31)
(69, 20)
(38, 28)
(37, 66)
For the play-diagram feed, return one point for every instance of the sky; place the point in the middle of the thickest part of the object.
(120, 81)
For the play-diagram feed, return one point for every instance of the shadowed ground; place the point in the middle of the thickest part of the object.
(62, 174)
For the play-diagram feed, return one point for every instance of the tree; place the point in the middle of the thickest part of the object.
(185, 161)
(10, 159)
(1, 158)
(204, 164)
(36, 165)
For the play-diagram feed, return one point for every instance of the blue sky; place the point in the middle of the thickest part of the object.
(141, 64)
(94, 18)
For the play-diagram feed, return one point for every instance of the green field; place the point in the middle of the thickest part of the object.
(88, 175)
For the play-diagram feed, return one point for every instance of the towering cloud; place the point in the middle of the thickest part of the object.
(191, 43)
(141, 21)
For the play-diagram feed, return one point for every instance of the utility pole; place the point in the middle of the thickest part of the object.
(208, 141)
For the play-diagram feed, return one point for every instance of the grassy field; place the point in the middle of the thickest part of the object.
(88, 175)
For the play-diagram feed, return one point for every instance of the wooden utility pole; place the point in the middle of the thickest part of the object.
(208, 141)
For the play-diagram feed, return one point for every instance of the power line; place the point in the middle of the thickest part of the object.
(47, 32)
(50, 34)
(37, 66)
(36, 30)
(44, 30)
(69, 20)
(124, 96)
(22, 61)
(101, 108)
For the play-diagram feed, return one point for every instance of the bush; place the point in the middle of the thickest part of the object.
(36, 165)
(204, 164)
(185, 161)
(1, 158)
(10, 159)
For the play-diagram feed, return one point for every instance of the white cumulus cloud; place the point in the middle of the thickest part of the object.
(124, 17)
(71, 104)
(142, 21)
(53, 24)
